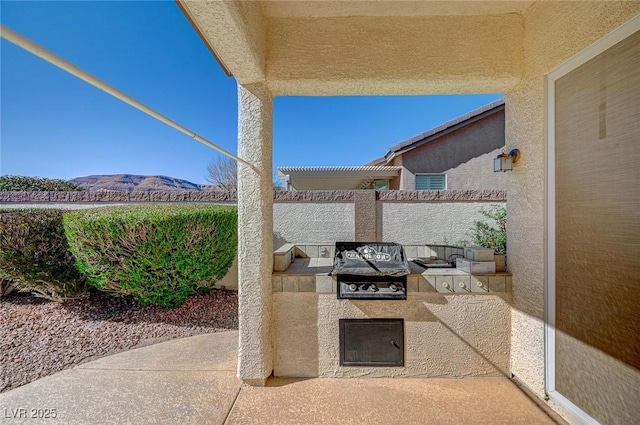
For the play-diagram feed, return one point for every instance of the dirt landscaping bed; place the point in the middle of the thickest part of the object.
(40, 337)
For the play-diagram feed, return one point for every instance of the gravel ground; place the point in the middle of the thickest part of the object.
(40, 337)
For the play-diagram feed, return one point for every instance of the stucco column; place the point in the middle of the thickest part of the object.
(255, 233)
(365, 211)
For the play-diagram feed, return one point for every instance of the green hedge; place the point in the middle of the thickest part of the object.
(36, 184)
(158, 254)
(34, 255)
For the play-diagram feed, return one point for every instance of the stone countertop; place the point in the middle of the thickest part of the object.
(310, 266)
(323, 266)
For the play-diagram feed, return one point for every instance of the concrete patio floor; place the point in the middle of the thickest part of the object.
(193, 381)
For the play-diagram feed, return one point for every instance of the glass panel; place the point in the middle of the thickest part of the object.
(381, 185)
(430, 182)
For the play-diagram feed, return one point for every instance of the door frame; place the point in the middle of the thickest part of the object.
(603, 44)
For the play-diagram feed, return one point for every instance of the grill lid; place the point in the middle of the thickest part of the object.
(370, 259)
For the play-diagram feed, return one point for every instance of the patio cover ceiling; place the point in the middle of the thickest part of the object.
(335, 178)
(333, 8)
(365, 47)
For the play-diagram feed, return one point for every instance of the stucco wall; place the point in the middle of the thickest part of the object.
(317, 217)
(554, 31)
(406, 180)
(445, 336)
(465, 155)
(474, 174)
(321, 223)
(477, 173)
(414, 223)
(410, 221)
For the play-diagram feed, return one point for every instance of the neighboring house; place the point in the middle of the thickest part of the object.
(455, 155)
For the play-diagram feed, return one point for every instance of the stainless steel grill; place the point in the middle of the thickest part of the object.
(371, 270)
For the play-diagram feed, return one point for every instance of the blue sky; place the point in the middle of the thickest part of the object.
(55, 125)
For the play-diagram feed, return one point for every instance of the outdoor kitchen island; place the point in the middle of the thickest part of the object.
(454, 324)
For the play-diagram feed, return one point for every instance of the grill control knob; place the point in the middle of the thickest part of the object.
(353, 287)
(462, 285)
(373, 288)
(393, 287)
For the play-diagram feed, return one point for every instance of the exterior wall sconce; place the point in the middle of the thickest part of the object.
(505, 161)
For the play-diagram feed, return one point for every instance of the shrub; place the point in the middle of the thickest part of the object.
(34, 255)
(494, 234)
(7, 284)
(158, 254)
(36, 184)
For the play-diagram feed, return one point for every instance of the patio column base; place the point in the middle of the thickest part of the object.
(255, 382)
(255, 234)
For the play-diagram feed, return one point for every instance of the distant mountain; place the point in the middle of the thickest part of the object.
(131, 182)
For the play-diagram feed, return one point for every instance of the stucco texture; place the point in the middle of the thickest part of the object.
(445, 336)
(393, 55)
(473, 174)
(255, 234)
(296, 334)
(364, 204)
(433, 222)
(236, 33)
(465, 155)
(312, 223)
